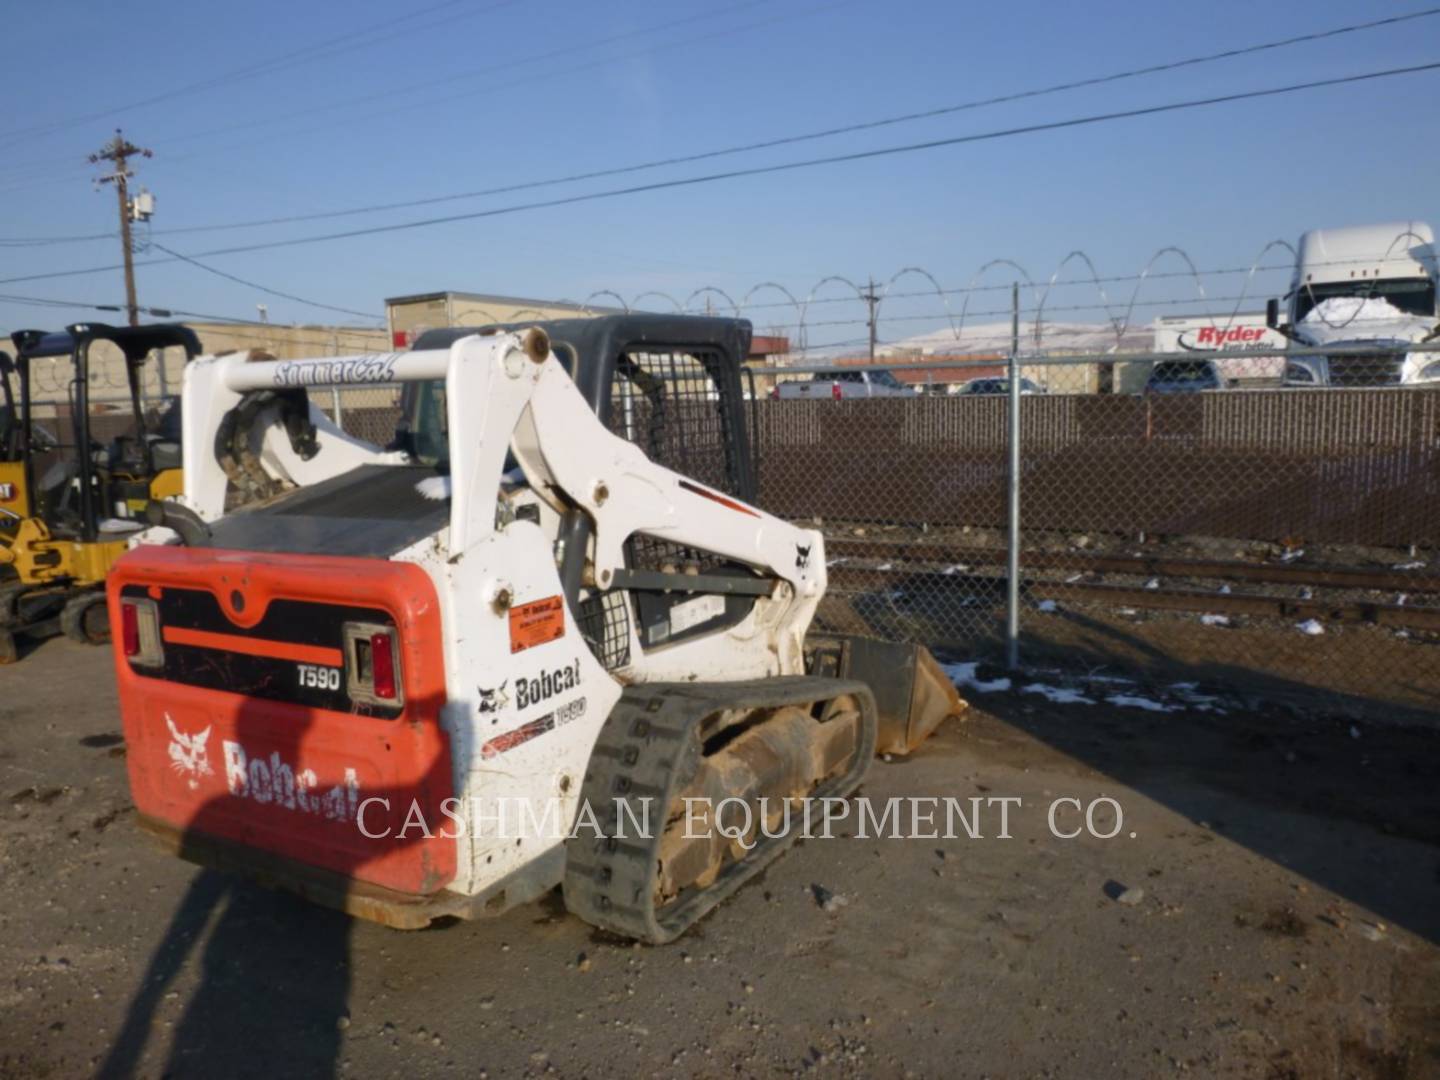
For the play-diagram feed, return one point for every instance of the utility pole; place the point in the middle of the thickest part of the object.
(872, 301)
(117, 152)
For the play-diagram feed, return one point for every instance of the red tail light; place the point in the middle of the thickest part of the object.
(382, 661)
(140, 639)
(835, 391)
(130, 629)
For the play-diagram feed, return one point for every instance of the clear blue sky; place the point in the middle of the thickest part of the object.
(475, 94)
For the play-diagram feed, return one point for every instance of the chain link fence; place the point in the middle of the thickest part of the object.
(367, 412)
(1188, 524)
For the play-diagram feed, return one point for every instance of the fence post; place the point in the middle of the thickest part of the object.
(1012, 542)
(338, 417)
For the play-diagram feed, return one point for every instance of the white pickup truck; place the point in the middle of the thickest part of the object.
(838, 385)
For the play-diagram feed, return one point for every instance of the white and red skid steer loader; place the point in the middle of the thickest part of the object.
(511, 651)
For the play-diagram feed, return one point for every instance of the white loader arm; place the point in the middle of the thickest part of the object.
(508, 393)
(214, 385)
(568, 454)
(504, 391)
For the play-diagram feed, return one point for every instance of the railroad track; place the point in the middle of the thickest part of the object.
(915, 569)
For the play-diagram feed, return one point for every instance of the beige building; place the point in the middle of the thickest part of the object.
(411, 316)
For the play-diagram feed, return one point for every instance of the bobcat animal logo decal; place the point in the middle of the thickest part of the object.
(492, 701)
(188, 755)
(802, 556)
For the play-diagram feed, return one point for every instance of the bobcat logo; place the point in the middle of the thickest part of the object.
(188, 755)
(492, 701)
(802, 556)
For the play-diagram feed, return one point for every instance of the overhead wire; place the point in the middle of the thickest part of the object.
(775, 142)
(308, 54)
(781, 167)
(264, 288)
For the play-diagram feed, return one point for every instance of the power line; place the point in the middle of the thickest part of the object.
(358, 332)
(527, 60)
(530, 61)
(322, 49)
(264, 288)
(785, 140)
(821, 134)
(46, 241)
(789, 166)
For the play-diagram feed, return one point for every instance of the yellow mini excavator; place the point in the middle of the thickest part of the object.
(68, 505)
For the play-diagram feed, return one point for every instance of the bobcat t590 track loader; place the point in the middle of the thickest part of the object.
(499, 656)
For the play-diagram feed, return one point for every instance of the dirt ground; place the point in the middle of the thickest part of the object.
(1270, 907)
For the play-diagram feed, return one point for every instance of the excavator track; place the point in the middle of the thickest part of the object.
(768, 742)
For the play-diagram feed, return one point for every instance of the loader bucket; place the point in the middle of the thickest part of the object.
(912, 693)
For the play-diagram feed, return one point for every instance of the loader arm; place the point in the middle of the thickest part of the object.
(506, 394)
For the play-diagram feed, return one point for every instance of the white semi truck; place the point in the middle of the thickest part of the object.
(1364, 286)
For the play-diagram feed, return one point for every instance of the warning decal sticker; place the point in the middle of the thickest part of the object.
(536, 623)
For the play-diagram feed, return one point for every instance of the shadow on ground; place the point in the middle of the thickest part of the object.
(1279, 743)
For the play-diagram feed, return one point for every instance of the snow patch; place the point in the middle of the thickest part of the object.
(1313, 627)
(1215, 620)
(1132, 701)
(1058, 695)
(964, 675)
(1355, 318)
(1047, 606)
(435, 488)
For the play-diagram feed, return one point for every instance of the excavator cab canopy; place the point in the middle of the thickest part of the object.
(9, 422)
(83, 469)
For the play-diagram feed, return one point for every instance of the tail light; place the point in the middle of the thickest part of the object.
(382, 663)
(835, 391)
(775, 393)
(130, 629)
(140, 632)
(372, 664)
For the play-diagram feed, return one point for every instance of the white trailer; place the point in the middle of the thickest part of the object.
(1210, 337)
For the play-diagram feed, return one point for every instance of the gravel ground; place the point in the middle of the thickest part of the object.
(1270, 907)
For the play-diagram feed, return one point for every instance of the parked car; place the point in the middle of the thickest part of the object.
(1000, 386)
(846, 384)
(1183, 377)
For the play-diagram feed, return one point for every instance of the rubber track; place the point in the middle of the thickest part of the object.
(649, 747)
(72, 616)
(10, 593)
